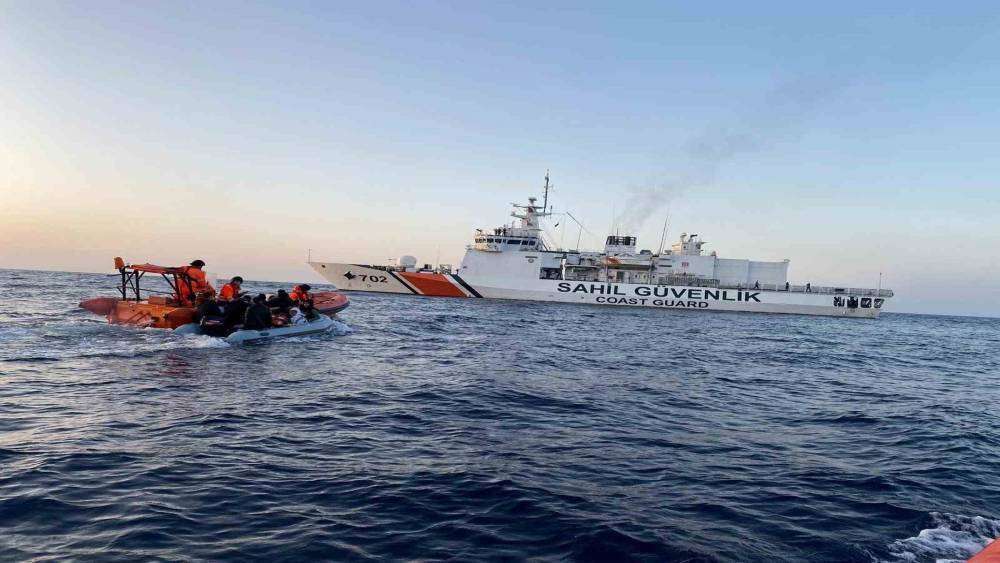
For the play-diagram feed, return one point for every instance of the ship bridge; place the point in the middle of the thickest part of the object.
(523, 235)
(503, 239)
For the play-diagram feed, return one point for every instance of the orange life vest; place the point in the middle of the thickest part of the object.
(299, 294)
(197, 284)
(229, 292)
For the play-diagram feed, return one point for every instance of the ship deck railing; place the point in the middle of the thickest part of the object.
(822, 289)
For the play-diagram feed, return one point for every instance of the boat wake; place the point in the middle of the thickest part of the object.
(340, 328)
(84, 338)
(62, 340)
(951, 538)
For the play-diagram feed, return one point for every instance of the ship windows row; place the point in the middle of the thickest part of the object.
(854, 302)
(496, 240)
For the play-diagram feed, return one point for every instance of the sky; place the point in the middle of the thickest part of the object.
(851, 138)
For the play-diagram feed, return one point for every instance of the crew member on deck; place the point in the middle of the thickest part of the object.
(196, 285)
(301, 293)
(231, 291)
(301, 297)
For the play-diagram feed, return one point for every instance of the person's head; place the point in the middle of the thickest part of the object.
(294, 311)
(282, 293)
(237, 281)
(305, 287)
(198, 264)
(260, 299)
(245, 298)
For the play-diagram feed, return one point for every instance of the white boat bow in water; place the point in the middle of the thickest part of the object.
(320, 324)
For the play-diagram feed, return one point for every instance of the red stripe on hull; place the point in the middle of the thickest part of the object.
(434, 285)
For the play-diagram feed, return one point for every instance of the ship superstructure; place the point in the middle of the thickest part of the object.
(515, 262)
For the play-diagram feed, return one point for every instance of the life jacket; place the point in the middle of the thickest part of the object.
(197, 284)
(229, 292)
(299, 294)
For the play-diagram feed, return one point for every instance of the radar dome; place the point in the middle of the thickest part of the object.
(407, 261)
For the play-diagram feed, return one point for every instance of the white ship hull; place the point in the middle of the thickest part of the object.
(354, 277)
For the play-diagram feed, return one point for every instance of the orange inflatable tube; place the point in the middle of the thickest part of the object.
(329, 302)
(990, 554)
(150, 315)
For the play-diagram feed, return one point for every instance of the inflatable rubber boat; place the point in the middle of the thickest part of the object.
(320, 324)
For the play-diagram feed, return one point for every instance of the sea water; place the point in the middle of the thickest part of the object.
(478, 430)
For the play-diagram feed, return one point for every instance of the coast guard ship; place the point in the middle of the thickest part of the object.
(515, 262)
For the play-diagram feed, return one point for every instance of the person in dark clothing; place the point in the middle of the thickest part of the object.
(258, 316)
(211, 317)
(236, 311)
(281, 301)
(209, 308)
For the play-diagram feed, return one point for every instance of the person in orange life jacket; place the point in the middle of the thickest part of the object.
(187, 289)
(231, 291)
(301, 297)
(301, 293)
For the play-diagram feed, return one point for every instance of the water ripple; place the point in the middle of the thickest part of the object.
(479, 430)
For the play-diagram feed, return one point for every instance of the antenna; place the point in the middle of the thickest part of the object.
(579, 235)
(309, 255)
(663, 236)
(545, 202)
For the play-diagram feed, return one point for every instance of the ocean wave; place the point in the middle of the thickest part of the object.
(477, 430)
(948, 538)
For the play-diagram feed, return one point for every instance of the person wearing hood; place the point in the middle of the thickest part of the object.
(282, 301)
(236, 311)
(258, 316)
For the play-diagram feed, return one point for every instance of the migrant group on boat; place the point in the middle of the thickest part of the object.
(232, 309)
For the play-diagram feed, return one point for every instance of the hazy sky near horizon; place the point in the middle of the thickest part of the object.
(851, 138)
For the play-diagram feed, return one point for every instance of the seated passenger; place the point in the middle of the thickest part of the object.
(297, 318)
(236, 312)
(209, 307)
(282, 301)
(258, 316)
(231, 291)
(211, 318)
